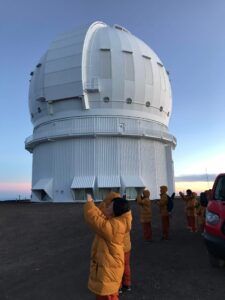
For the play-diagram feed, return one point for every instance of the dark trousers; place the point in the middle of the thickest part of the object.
(192, 223)
(165, 227)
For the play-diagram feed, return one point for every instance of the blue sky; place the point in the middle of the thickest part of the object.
(189, 38)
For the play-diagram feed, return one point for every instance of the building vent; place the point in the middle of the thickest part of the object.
(106, 99)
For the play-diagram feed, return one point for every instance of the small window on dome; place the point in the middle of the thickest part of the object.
(161, 108)
(129, 100)
(118, 27)
(127, 51)
(32, 115)
(148, 104)
(39, 65)
(146, 56)
(168, 114)
(106, 99)
(39, 109)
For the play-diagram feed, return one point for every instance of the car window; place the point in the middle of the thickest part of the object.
(220, 189)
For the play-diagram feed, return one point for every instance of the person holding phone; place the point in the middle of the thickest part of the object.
(107, 252)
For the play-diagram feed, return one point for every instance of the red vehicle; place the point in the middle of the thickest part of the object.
(214, 232)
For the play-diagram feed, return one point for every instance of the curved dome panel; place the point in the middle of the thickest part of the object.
(105, 68)
(119, 67)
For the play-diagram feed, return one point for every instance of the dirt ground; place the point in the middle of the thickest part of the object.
(45, 249)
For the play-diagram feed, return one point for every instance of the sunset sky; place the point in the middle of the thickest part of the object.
(189, 38)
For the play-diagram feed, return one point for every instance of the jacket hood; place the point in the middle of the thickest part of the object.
(146, 193)
(127, 220)
(163, 188)
(110, 196)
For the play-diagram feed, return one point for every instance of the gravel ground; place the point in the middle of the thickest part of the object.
(45, 249)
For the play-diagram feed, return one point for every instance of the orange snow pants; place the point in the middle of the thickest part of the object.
(126, 280)
(109, 297)
(147, 228)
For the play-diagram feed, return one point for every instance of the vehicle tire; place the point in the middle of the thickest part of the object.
(215, 261)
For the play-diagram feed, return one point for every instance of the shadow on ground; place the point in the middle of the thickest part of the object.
(45, 248)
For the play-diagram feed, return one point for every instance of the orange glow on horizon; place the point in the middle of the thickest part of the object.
(15, 187)
(25, 187)
(195, 186)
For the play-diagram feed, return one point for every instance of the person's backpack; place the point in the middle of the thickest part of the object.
(203, 199)
(170, 203)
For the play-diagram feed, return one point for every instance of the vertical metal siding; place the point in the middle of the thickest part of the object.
(160, 161)
(106, 156)
(148, 166)
(128, 153)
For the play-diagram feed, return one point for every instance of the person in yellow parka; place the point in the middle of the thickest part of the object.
(191, 211)
(144, 203)
(164, 212)
(190, 202)
(107, 254)
(104, 206)
(190, 208)
(185, 199)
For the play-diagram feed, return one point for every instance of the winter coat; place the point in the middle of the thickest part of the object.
(107, 254)
(103, 205)
(200, 212)
(191, 205)
(163, 205)
(145, 207)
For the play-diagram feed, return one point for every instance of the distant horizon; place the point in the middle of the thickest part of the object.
(22, 190)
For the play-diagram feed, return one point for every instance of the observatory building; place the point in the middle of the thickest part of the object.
(100, 103)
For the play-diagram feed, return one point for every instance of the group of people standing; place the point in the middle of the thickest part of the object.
(194, 210)
(110, 272)
(144, 203)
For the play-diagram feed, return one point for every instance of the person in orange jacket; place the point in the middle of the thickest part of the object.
(145, 214)
(190, 203)
(107, 254)
(105, 208)
(186, 199)
(164, 212)
(191, 211)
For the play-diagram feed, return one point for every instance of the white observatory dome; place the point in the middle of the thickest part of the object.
(100, 102)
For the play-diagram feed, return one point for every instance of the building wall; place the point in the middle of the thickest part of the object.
(63, 160)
